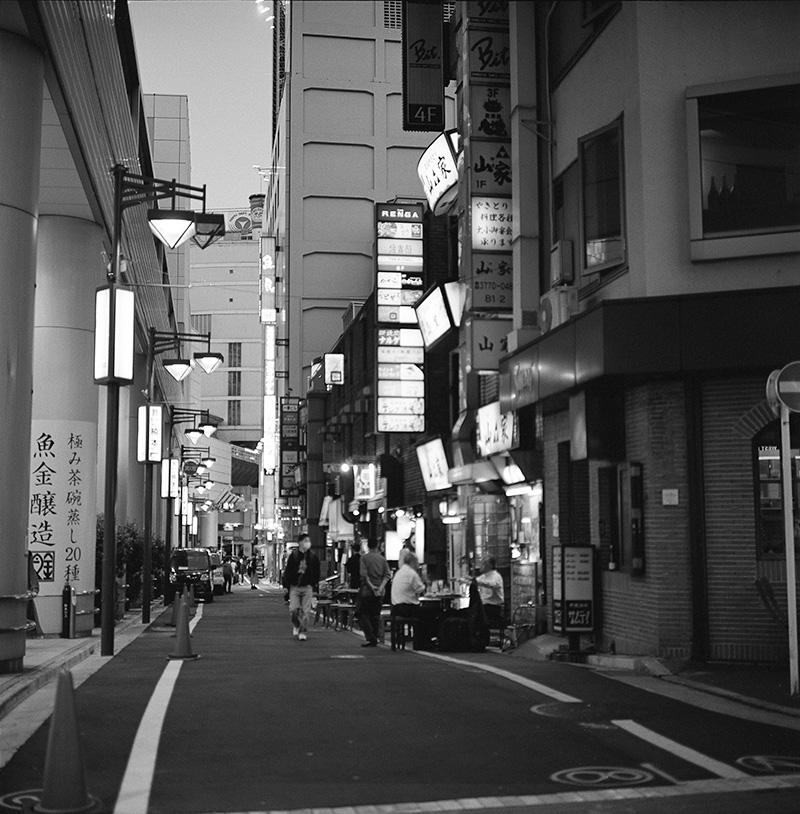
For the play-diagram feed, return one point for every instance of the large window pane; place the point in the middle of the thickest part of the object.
(601, 178)
(750, 160)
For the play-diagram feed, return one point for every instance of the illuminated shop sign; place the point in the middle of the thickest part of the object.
(494, 430)
(399, 283)
(438, 172)
(289, 445)
(433, 465)
(439, 311)
(492, 224)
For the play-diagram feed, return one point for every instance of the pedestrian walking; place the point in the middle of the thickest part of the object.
(375, 574)
(252, 572)
(227, 575)
(301, 580)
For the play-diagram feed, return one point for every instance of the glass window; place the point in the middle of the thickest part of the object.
(234, 382)
(234, 413)
(744, 167)
(750, 159)
(234, 354)
(602, 202)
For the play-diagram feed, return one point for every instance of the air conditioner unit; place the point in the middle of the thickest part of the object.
(556, 306)
(561, 267)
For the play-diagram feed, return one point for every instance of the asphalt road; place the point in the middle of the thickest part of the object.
(263, 722)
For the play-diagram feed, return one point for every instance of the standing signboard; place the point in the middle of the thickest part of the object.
(573, 589)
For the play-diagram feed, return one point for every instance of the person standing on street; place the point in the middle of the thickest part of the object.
(353, 567)
(490, 586)
(375, 574)
(301, 580)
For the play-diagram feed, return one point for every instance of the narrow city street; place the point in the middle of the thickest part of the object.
(263, 722)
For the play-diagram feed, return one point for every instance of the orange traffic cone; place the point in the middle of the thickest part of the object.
(176, 601)
(64, 782)
(188, 595)
(182, 632)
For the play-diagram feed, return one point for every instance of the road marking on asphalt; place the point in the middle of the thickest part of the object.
(690, 787)
(134, 793)
(525, 682)
(684, 752)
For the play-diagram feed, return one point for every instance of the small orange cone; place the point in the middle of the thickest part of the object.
(176, 601)
(182, 632)
(64, 785)
(188, 595)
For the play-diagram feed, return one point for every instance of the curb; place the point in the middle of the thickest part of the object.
(30, 680)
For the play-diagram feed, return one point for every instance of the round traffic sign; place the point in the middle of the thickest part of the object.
(788, 386)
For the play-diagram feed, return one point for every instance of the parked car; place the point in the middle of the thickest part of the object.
(217, 577)
(191, 567)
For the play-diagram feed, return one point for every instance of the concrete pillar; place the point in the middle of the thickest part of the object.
(21, 88)
(62, 524)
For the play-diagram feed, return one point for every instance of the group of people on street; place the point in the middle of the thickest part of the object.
(369, 573)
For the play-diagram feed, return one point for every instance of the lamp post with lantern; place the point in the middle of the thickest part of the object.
(114, 334)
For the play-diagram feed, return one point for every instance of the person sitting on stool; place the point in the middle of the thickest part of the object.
(407, 588)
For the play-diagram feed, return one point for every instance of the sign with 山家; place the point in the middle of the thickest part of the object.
(423, 66)
(492, 282)
(487, 341)
(438, 172)
(491, 168)
(573, 589)
(494, 430)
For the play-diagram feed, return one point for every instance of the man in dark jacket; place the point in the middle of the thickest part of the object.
(301, 580)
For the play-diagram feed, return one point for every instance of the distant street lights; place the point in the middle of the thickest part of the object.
(114, 332)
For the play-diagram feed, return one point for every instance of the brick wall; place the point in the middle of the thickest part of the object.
(740, 628)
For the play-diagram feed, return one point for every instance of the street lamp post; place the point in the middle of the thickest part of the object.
(114, 330)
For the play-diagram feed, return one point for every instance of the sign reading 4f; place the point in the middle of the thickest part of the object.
(423, 66)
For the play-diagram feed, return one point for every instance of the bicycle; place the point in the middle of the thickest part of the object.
(522, 626)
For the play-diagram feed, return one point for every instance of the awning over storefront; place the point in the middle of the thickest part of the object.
(338, 527)
(731, 330)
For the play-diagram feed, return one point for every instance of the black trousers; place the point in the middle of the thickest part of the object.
(370, 618)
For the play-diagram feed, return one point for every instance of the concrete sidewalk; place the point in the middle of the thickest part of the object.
(758, 686)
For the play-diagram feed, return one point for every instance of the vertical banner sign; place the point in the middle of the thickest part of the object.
(423, 66)
(61, 518)
(267, 290)
(400, 385)
(573, 589)
(488, 74)
(290, 445)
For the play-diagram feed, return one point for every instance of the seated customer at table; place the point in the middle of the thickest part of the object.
(407, 586)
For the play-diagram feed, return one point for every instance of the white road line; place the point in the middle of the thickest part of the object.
(134, 793)
(525, 682)
(635, 793)
(684, 752)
